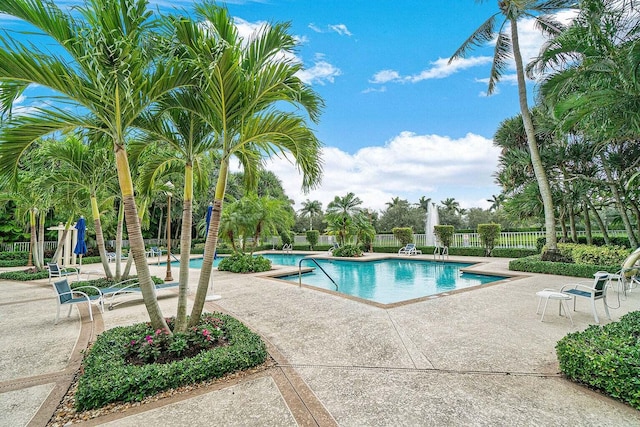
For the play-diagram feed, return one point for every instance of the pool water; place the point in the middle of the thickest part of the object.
(279, 259)
(384, 281)
(391, 280)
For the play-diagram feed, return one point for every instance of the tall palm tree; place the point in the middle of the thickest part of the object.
(242, 94)
(340, 214)
(177, 140)
(311, 208)
(107, 72)
(506, 45)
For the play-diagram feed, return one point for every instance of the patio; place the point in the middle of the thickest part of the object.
(480, 357)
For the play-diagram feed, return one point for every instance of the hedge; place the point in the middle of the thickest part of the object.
(606, 358)
(108, 378)
(534, 264)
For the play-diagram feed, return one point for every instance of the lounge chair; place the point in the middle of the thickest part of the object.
(56, 271)
(409, 249)
(111, 257)
(66, 296)
(128, 287)
(595, 291)
(628, 276)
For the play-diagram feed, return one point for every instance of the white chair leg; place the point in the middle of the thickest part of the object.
(90, 311)
(606, 307)
(538, 308)
(563, 303)
(57, 315)
(544, 309)
(70, 307)
(593, 308)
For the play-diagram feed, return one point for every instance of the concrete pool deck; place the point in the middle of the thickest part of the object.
(480, 357)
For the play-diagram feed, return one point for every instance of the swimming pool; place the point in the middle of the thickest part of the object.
(384, 281)
(390, 281)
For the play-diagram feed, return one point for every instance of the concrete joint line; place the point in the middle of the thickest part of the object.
(424, 370)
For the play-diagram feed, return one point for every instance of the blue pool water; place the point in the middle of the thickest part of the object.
(384, 281)
(391, 280)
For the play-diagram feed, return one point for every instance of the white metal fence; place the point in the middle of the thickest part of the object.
(521, 239)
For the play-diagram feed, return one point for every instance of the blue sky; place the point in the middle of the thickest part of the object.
(398, 120)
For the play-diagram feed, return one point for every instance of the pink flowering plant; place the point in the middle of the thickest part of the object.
(160, 346)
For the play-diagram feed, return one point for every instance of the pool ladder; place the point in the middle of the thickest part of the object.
(316, 263)
(441, 252)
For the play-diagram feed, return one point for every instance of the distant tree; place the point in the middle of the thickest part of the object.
(340, 213)
(402, 214)
(311, 209)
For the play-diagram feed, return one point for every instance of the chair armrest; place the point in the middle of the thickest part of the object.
(70, 270)
(87, 287)
(88, 298)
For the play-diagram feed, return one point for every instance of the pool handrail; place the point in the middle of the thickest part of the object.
(319, 266)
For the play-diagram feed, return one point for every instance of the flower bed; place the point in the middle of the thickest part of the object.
(112, 371)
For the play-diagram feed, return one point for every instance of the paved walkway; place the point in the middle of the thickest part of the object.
(480, 357)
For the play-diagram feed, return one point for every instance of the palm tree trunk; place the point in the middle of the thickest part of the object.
(536, 160)
(58, 252)
(40, 258)
(119, 242)
(619, 205)
(572, 224)
(587, 223)
(32, 239)
(95, 213)
(601, 225)
(136, 241)
(185, 250)
(210, 245)
(127, 268)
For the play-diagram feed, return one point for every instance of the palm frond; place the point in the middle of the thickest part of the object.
(482, 35)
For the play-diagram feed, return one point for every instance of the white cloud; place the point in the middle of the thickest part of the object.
(407, 166)
(439, 69)
(340, 29)
(385, 76)
(315, 28)
(320, 73)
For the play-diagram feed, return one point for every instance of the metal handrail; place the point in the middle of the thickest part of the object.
(319, 266)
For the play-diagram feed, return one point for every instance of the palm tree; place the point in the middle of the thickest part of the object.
(242, 93)
(340, 213)
(496, 201)
(509, 45)
(424, 203)
(87, 172)
(311, 209)
(108, 73)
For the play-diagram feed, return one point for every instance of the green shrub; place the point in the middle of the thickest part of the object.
(244, 263)
(513, 252)
(107, 377)
(403, 234)
(14, 262)
(595, 255)
(534, 264)
(464, 251)
(489, 236)
(605, 357)
(312, 238)
(24, 276)
(21, 255)
(287, 237)
(444, 233)
(347, 251)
